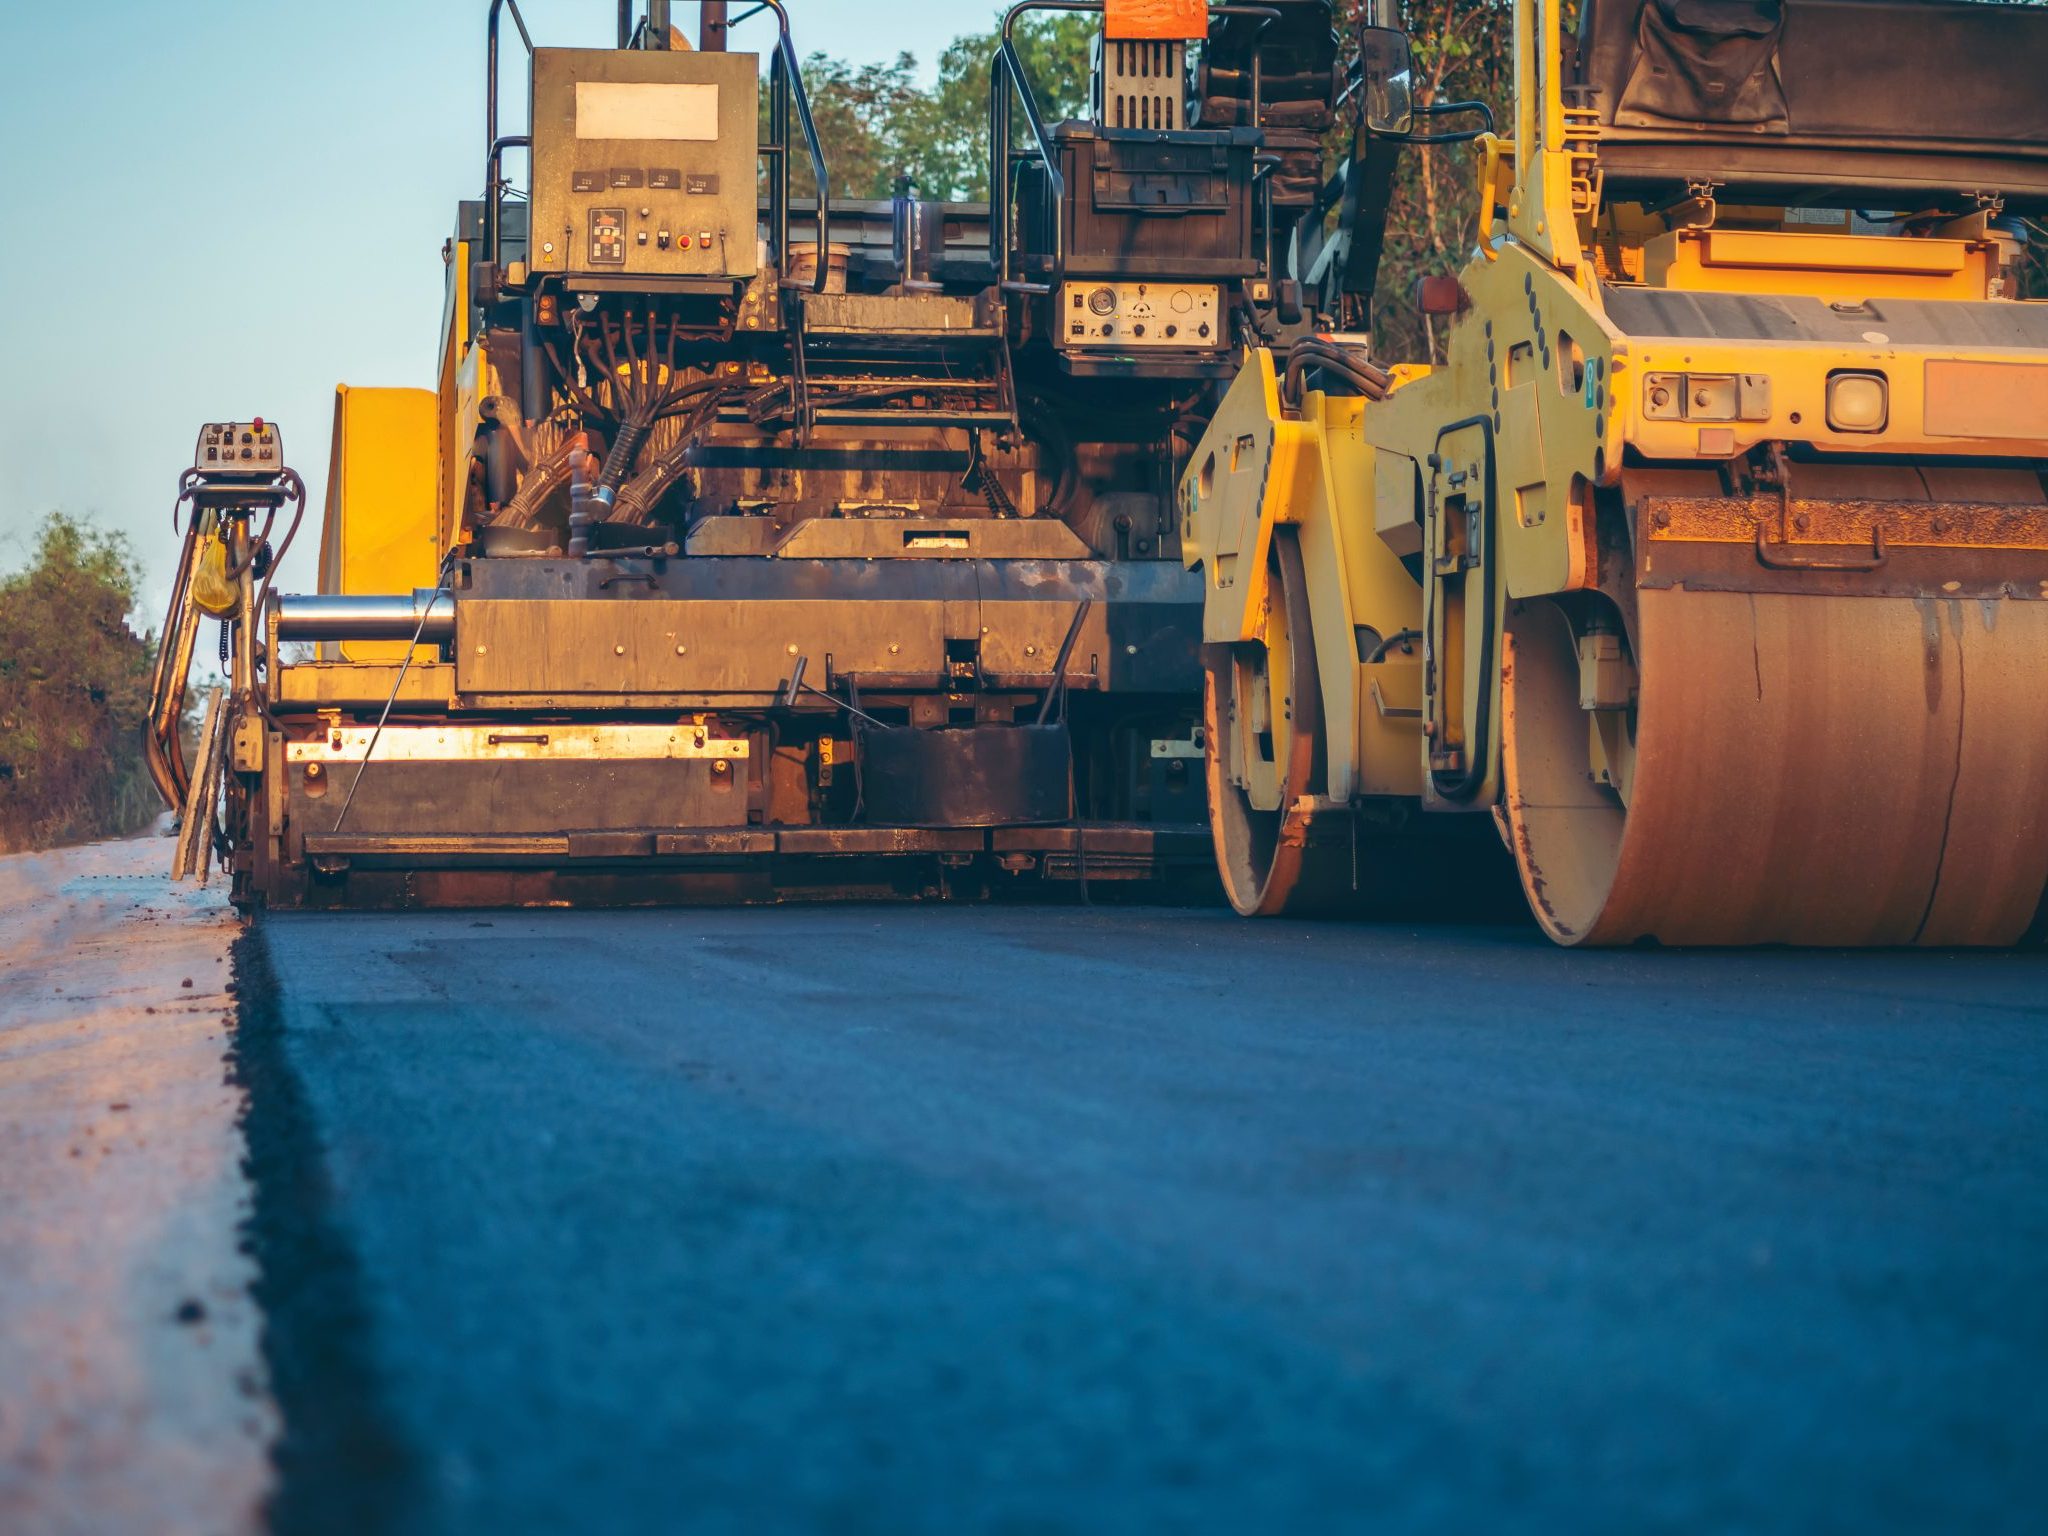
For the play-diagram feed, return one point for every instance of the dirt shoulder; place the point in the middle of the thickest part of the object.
(132, 1394)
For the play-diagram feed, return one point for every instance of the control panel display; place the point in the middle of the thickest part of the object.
(253, 448)
(610, 109)
(1127, 316)
(644, 163)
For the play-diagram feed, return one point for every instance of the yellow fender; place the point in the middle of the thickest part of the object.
(1258, 468)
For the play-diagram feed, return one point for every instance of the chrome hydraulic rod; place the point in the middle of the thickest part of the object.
(428, 611)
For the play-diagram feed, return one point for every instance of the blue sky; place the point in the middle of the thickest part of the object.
(222, 208)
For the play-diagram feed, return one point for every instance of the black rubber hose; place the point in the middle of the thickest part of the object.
(1369, 380)
(1345, 357)
(1058, 689)
(618, 464)
(1400, 637)
(1041, 423)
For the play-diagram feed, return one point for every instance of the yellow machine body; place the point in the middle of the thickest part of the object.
(1717, 552)
(383, 530)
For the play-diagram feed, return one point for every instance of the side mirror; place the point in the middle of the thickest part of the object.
(1388, 75)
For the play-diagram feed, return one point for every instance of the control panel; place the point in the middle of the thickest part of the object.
(644, 163)
(1128, 316)
(239, 448)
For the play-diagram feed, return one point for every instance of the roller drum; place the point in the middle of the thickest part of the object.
(1825, 770)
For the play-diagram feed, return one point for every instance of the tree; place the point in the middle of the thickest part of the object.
(74, 680)
(1464, 51)
(876, 123)
(860, 111)
(945, 140)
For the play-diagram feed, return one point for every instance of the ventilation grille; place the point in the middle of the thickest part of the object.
(1144, 84)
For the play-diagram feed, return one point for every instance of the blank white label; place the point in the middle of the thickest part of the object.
(610, 110)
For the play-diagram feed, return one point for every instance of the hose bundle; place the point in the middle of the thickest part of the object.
(643, 388)
(1347, 367)
(626, 372)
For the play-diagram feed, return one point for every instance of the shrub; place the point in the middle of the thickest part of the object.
(74, 679)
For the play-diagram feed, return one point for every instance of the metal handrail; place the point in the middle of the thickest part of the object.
(1008, 68)
(494, 185)
(493, 160)
(786, 84)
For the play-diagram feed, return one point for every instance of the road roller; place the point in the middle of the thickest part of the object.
(756, 542)
(1706, 564)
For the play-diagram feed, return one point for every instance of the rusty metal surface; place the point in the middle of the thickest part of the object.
(838, 841)
(307, 686)
(1844, 520)
(320, 845)
(982, 775)
(1941, 574)
(651, 866)
(928, 538)
(546, 634)
(1842, 545)
(1189, 839)
(1809, 770)
(628, 648)
(412, 798)
(1129, 837)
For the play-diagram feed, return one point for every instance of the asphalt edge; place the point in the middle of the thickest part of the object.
(342, 1465)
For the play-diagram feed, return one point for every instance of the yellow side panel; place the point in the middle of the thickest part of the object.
(382, 529)
(456, 381)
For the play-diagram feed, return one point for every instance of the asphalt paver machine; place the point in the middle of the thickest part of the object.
(756, 542)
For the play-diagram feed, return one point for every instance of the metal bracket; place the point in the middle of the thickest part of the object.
(1392, 711)
(1779, 559)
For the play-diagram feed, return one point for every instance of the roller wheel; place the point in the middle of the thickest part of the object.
(1798, 769)
(1262, 706)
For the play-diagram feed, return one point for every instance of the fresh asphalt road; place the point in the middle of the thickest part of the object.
(964, 1220)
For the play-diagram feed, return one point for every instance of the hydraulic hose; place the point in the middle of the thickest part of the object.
(1346, 364)
(618, 463)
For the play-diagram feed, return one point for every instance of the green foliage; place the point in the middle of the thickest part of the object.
(877, 123)
(860, 112)
(1464, 51)
(946, 143)
(74, 680)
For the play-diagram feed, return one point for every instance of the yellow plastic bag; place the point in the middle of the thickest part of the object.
(213, 590)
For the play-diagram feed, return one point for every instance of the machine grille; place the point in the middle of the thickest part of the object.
(1144, 84)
